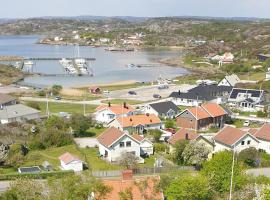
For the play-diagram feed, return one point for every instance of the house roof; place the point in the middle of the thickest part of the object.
(198, 112)
(164, 107)
(5, 98)
(229, 135)
(181, 135)
(109, 136)
(135, 120)
(17, 110)
(214, 109)
(232, 79)
(254, 93)
(68, 158)
(116, 109)
(119, 185)
(140, 138)
(263, 133)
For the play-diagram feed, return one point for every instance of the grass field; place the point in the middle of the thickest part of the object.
(254, 76)
(65, 107)
(121, 101)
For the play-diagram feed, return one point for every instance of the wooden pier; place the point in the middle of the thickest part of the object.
(53, 59)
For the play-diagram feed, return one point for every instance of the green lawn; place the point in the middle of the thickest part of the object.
(254, 76)
(121, 101)
(94, 132)
(65, 107)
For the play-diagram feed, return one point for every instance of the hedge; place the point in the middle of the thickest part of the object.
(42, 175)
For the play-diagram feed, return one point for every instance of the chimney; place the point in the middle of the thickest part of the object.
(151, 120)
(127, 174)
(130, 119)
(179, 92)
(187, 136)
(109, 104)
(147, 114)
(125, 105)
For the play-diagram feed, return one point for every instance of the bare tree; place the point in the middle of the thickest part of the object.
(128, 160)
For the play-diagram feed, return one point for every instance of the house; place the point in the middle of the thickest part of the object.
(95, 90)
(147, 147)
(165, 109)
(6, 100)
(201, 94)
(18, 113)
(137, 123)
(113, 143)
(107, 113)
(208, 142)
(263, 57)
(248, 100)
(263, 135)
(201, 117)
(70, 162)
(224, 59)
(230, 80)
(230, 138)
(119, 185)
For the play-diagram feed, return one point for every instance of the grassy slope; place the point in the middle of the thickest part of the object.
(9, 74)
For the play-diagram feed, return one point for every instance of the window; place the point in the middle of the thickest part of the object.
(122, 144)
(248, 142)
(243, 142)
(128, 144)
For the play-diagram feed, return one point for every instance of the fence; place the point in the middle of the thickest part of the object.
(141, 171)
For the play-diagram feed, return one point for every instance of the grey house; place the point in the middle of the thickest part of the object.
(6, 100)
(163, 109)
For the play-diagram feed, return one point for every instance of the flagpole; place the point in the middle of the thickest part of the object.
(231, 185)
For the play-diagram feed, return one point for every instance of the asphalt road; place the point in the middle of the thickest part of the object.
(259, 172)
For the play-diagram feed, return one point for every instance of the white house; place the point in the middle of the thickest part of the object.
(70, 162)
(113, 143)
(107, 113)
(248, 100)
(230, 138)
(137, 123)
(165, 109)
(18, 113)
(146, 145)
(263, 135)
(104, 40)
(230, 80)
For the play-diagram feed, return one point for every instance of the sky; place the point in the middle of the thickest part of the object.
(142, 8)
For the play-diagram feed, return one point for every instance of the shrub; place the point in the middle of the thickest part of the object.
(159, 147)
(249, 157)
(34, 105)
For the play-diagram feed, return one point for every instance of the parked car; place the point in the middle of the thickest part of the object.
(246, 123)
(157, 96)
(132, 93)
(162, 87)
(57, 98)
(106, 92)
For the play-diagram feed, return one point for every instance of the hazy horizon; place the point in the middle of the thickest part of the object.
(138, 8)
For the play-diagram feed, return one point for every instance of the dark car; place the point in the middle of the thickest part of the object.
(132, 93)
(157, 96)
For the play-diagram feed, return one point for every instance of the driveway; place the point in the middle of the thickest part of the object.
(86, 142)
(4, 185)
(259, 172)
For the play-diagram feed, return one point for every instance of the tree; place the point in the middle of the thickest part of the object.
(250, 157)
(24, 189)
(189, 188)
(195, 153)
(170, 123)
(79, 123)
(126, 194)
(15, 156)
(55, 123)
(101, 191)
(156, 134)
(128, 160)
(218, 170)
(56, 89)
(178, 151)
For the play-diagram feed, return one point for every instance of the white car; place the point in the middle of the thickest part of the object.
(246, 123)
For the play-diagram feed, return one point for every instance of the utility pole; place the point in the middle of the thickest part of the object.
(84, 110)
(47, 105)
(231, 185)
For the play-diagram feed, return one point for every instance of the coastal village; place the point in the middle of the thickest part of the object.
(142, 139)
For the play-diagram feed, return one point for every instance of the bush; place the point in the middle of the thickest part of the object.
(170, 123)
(262, 114)
(250, 157)
(156, 134)
(34, 105)
(160, 147)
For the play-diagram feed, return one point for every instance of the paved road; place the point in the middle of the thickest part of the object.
(253, 119)
(146, 93)
(259, 172)
(13, 89)
(86, 142)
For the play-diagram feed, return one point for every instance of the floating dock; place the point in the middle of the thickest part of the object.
(57, 59)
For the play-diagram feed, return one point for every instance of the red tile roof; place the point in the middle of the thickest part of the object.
(68, 158)
(138, 137)
(116, 109)
(263, 133)
(121, 185)
(109, 136)
(198, 112)
(135, 120)
(229, 135)
(181, 135)
(214, 109)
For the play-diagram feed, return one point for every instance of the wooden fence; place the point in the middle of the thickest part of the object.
(141, 171)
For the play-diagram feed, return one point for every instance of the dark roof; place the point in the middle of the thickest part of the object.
(30, 169)
(236, 91)
(164, 107)
(249, 100)
(203, 92)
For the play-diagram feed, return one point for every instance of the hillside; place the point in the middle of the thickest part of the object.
(9, 74)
